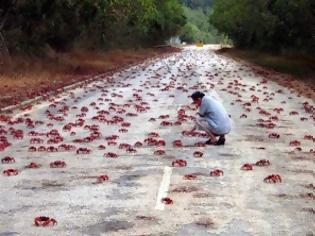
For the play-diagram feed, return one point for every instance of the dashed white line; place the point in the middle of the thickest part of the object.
(163, 190)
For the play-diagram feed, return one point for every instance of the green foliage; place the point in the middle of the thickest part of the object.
(29, 25)
(267, 24)
(168, 20)
(198, 27)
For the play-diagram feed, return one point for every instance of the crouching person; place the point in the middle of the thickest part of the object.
(213, 118)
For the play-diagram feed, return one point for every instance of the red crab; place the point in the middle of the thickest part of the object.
(177, 143)
(254, 98)
(190, 176)
(263, 162)
(274, 178)
(138, 144)
(295, 143)
(274, 118)
(57, 164)
(167, 201)
(164, 116)
(110, 155)
(111, 143)
(161, 142)
(124, 146)
(263, 112)
(216, 172)
(44, 221)
(83, 151)
(274, 135)
(36, 141)
(112, 137)
(33, 133)
(102, 178)
(66, 147)
(269, 125)
(247, 166)
(32, 149)
(7, 160)
(293, 113)
(131, 150)
(177, 123)
(33, 165)
(41, 149)
(101, 147)
(166, 123)
(309, 137)
(10, 172)
(278, 110)
(55, 140)
(159, 152)
(153, 135)
(125, 124)
(179, 163)
(198, 154)
(18, 135)
(84, 109)
(52, 149)
(122, 130)
(131, 114)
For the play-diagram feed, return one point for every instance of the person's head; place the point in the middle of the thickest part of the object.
(197, 97)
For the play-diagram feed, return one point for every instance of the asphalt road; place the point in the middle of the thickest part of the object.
(153, 97)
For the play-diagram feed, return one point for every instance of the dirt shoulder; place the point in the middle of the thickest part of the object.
(295, 72)
(26, 78)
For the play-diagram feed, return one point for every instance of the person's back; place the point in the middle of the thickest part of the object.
(216, 115)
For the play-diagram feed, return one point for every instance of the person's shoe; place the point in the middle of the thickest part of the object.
(221, 141)
(209, 142)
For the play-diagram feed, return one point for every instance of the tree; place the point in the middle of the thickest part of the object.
(269, 25)
(29, 25)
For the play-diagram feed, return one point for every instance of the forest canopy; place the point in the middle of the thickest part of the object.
(28, 25)
(198, 27)
(274, 25)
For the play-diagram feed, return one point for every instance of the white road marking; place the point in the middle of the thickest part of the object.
(163, 188)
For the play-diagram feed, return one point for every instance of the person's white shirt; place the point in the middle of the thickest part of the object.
(216, 115)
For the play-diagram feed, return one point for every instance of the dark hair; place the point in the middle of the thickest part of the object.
(197, 95)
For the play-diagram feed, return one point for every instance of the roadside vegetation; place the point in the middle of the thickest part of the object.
(45, 45)
(297, 64)
(278, 34)
(198, 28)
(30, 26)
(27, 77)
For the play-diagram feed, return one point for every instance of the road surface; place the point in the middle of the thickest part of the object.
(153, 97)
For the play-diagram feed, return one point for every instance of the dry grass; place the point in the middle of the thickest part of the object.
(296, 64)
(27, 77)
(291, 70)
